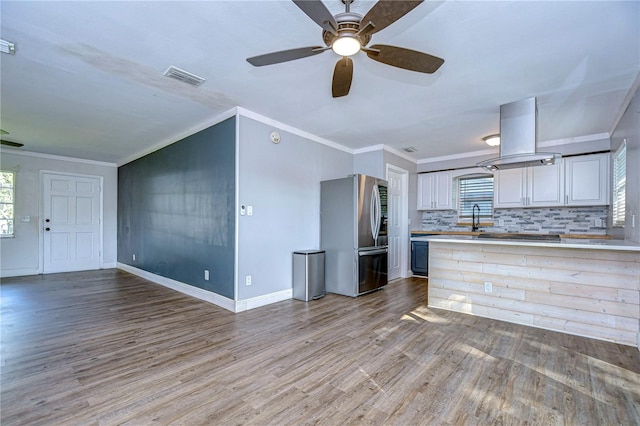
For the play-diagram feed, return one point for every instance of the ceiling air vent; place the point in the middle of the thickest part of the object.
(182, 75)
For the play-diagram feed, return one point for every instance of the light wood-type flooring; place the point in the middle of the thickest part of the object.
(107, 347)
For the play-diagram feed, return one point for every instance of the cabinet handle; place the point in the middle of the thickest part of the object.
(566, 199)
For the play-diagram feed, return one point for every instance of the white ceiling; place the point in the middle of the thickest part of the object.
(87, 77)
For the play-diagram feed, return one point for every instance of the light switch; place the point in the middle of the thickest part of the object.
(249, 210)
(25, 219)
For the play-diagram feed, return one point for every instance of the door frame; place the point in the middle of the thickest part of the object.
(41, 218)
(404, 217)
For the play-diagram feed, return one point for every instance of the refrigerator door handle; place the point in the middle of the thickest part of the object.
(375, 213)
(372, 252)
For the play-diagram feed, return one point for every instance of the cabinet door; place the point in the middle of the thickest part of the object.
(420, 258)
(435, 191)
(509, 188)
(425, 191)
(545, 185)
(587, 180)
(443, 184)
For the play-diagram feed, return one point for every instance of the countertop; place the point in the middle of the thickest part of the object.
(566, 242)
(572, 236)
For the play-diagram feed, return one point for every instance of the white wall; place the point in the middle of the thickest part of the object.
(20, 255)
(370, 163)
(282, 183)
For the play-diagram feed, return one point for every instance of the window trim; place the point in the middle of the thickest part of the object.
(467, 219)
(619, 187)
(13, 203)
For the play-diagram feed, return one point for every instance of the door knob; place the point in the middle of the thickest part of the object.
(47, 229)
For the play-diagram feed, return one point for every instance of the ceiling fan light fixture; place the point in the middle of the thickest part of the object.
(492, 140)
(346, 45)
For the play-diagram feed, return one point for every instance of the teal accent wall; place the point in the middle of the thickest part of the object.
(176, 210)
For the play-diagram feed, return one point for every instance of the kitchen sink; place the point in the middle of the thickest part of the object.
(520, 237)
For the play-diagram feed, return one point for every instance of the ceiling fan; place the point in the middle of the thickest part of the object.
(5, 142)
(348, 33)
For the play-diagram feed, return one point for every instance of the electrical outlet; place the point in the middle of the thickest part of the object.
(247, 280)
(488, 287)
(206, 275)
(134, 257)
(249, 210)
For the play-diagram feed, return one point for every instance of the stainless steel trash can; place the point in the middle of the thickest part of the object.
(308, 274)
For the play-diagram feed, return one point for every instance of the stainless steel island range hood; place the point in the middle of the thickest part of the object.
(518, 128)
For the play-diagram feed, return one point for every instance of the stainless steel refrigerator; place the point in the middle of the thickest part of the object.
(353, 234)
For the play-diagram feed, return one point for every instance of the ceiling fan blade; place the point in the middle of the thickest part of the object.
(285, 55)
(404, 58)
(318, 12)
(385, 13)
(342, 76)
(10, 143)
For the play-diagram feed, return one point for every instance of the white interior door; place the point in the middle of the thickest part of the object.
(72, 207)
(396, 223)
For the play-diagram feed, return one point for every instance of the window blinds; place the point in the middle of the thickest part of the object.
(475, 190)
(619, 184)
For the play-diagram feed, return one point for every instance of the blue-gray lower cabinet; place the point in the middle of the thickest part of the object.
(420, 257)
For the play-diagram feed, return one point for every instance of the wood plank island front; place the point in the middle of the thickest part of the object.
(585, 288)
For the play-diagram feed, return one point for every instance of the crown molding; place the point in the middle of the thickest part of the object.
(287, 128)
(55, 157)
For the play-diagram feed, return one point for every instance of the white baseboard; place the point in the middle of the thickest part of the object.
(18, 272)
(267, 299)
(109, 265)
(189, 290)
(209, 296)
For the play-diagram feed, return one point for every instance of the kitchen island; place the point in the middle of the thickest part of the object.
(578, 286)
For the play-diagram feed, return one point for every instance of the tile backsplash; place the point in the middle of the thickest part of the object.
(551, 220)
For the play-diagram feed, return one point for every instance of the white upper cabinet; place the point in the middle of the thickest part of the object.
(573, 181)
(587, 180)
(509, 188)
(546, 185)
(529, 187)
(435, 191)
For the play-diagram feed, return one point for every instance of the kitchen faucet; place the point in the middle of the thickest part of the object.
(475, 225)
